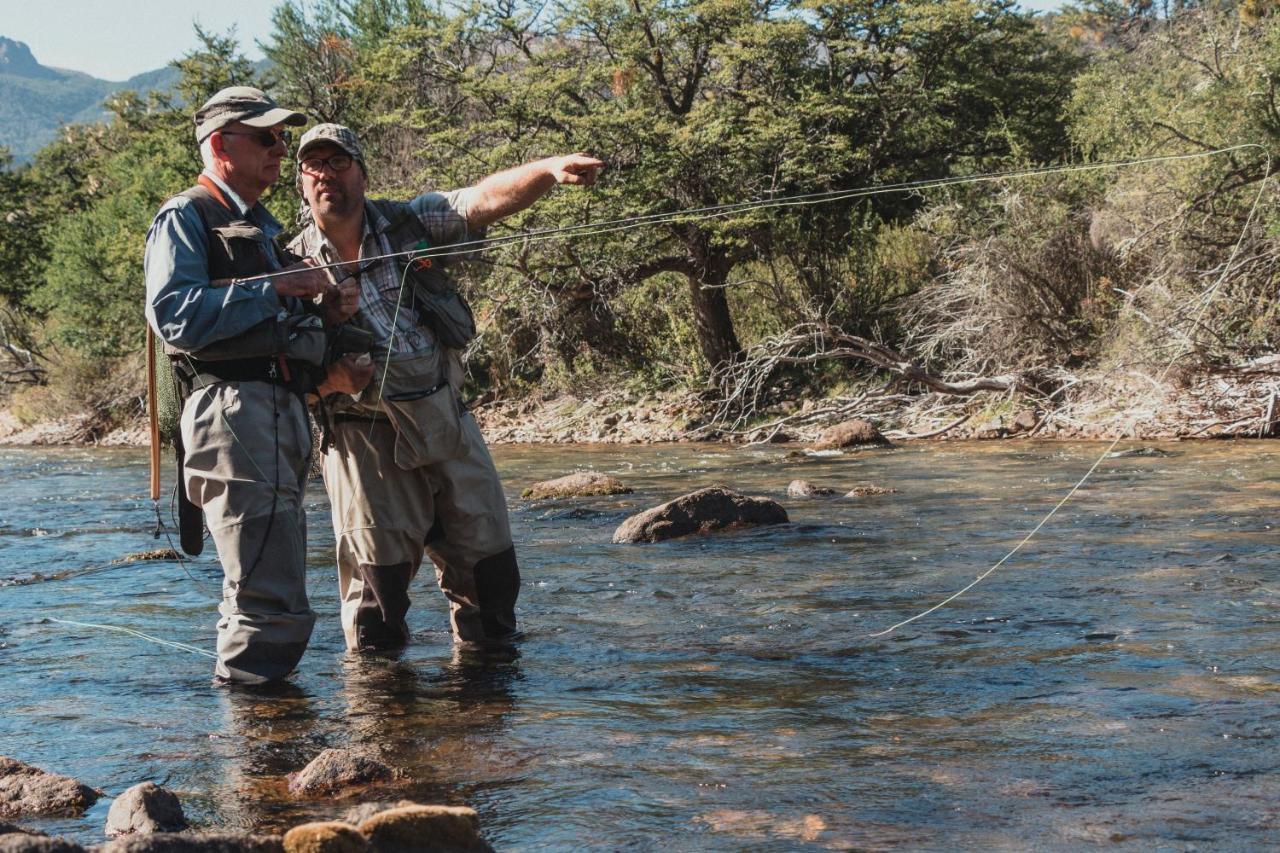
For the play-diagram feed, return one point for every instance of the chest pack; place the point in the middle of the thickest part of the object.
(439, 304)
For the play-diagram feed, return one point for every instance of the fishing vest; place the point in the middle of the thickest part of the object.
(440, 306)
(237, 248)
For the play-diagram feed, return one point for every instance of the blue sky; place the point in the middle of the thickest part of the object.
(116, 39)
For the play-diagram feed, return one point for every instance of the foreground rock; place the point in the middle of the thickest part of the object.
(854, 433)
(576, 485)
(703, 511)
(336, 769)
(805, 489)
(196, 842)
(425, 829)
(27, 790)
(145, 809)
(325, 837)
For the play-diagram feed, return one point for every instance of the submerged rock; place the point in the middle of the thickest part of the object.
(357, 815)
(20, 842)
(703, 511)
(335, 769)
(576, 485)
(866, 491)
(325, 837)
(145, 809)
(1140, 452)
(27, 790)
(425, 829)
(195, 842)
(854, 433)
(805, 489)
(158, 554)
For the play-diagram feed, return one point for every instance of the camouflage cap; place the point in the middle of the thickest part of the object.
(333, 134)
(246, 105)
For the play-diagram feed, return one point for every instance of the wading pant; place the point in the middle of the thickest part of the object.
(385, 518)
(248, 451)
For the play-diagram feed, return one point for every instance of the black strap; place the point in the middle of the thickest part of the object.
(197, 374)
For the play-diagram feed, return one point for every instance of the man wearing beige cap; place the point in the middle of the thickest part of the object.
(243, 354)
(405, 466)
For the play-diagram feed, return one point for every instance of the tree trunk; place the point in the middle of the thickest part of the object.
(712, 320)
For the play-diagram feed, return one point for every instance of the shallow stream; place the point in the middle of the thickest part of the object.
(1118, 682)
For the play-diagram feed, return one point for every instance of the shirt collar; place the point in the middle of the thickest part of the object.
(369, 221)
(228, 192)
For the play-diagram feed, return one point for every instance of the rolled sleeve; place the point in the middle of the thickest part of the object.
(444, 215)
(182, 307)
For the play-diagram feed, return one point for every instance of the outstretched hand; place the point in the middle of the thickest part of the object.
(578, 169)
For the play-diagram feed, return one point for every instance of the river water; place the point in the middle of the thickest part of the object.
(1117, 683)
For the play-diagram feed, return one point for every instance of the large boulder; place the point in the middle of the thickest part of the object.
(425, 829)
(703, 511)
(27, 790)
(195, 842)
(576, 485)
(325, 837)
(18, 842)
(854, 433)
(335, 769)
(145, 809)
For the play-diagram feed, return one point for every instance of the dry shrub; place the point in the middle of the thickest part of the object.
(1031, 296)
(112, 392)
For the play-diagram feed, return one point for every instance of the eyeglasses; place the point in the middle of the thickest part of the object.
(265, 138)
(337, 162)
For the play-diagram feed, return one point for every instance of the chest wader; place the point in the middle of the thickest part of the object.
(397, 496)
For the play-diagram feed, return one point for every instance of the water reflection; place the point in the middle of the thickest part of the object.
(269, 731)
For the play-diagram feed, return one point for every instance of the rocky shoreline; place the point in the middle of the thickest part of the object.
(1234, 404)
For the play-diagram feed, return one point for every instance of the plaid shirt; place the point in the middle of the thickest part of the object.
(444, 215)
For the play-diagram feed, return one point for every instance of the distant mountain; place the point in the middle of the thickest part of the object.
(36, 100)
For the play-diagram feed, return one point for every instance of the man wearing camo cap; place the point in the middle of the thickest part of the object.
(406, 467)
(239, 352)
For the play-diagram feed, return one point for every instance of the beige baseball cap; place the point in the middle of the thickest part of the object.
(246, 105)
(333, 134)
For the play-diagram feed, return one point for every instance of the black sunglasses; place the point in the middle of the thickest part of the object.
(266, 138)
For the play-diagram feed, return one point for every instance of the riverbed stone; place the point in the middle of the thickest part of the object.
(1025, 421)
(21, 842)
(851, 433)
(145, 809)
(332, 836)
(703, 511)
(805, 489)
(335, 769)
(425, 829)
(27, 790)
(194, 842)
(576, 485)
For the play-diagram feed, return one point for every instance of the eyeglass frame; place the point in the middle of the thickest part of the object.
(261, 136)
(326, 161)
